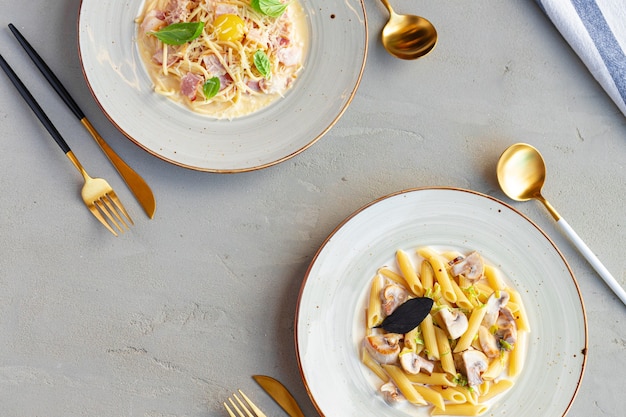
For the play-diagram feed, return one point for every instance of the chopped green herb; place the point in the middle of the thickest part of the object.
(505, 345)
(460, 380)
(211, 87)
(179, 33)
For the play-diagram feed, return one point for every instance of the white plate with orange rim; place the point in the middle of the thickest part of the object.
(330, 308)
(333, 67)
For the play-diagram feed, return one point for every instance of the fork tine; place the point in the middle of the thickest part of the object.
(94, 210)
(106, 199)
(256, 409)
(235, 407)
(102, 206)
(119, 205)
(230, 413)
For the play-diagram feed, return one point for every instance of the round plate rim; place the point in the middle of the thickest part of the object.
(434, 188)
(251, 167)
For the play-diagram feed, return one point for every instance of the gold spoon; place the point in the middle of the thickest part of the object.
(521, 173)
(408, 36)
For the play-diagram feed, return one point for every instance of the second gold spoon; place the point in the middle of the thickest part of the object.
(521, 173)
(408, 36)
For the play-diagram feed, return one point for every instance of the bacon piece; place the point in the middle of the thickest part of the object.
(177, 11)
(225, 81)
(189, 85)
(153, 21)
(277, 84)
(171, 58)
(254, 86)
(225, 8)
(289, 56)
(213, 65)
(258, 36)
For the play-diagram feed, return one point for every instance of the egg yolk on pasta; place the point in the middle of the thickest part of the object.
(229, 28)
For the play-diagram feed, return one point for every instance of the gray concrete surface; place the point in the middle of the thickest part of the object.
(172, 317)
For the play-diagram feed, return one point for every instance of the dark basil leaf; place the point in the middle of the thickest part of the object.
(408, 315)
(179, 33)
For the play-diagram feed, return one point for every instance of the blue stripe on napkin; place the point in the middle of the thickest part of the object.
(609, 49)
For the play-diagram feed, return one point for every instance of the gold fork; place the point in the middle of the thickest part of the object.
(136, 184)
(96, 193)
(241, 404)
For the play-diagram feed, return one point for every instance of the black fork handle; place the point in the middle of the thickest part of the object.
(35, 107)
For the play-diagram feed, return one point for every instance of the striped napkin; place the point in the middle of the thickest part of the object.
(596, 30)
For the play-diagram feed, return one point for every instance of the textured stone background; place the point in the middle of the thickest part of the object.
(169, 319)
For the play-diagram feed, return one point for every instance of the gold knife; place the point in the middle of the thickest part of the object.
(135, 183)
(280, 394)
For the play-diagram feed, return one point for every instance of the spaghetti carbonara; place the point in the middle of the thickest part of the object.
(222, 58)
(468, 349)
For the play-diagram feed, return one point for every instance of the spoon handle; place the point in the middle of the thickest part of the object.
(592, 259)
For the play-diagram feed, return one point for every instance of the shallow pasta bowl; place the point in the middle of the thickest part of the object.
(333, 67)
(331, 308)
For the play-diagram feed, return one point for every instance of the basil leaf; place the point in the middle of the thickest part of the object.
(211, 87)
(179, 33)
(271, 8)
(408, 315)
(262, 64)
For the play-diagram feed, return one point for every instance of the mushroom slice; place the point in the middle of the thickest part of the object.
(392, 296)
(495, 302)
(506, 331)
(488, 342)
(455, 321)
(391, 393)
(385, 348)
(412, 363)
(471, 267)
(475, 363)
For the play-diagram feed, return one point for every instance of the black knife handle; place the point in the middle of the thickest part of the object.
(47, 72)
(35, 107)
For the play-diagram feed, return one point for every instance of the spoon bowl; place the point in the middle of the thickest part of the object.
(521, 174)
(408, 36)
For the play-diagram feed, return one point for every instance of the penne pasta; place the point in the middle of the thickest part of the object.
(436, 378)
(461, 410)
(397, 278)
(373, 365)
(496, 389)
(516, 357)
(431, 396)
(374, 309)
(410, 339)
(440, 271)
(404, 385)
(472, 330)
(427, 275)
(445, 352)
(496, 367)
(470, 397)
(409, 273)
(430, 340)
(437, 372)
(450, 395)
(494, 278)
(461, 299)
(520, 315)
